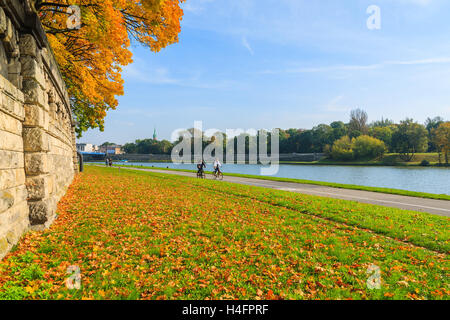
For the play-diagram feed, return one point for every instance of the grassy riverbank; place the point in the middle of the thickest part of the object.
(320, 183)
(142, 235)
(391, 159)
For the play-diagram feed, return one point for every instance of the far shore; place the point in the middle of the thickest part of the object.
(388, 160)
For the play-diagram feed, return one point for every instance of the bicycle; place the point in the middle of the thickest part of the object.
(217, 175)
(201, 174)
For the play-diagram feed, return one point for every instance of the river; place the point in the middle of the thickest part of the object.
(421, 179)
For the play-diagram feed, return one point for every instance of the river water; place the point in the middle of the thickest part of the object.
(422, 179)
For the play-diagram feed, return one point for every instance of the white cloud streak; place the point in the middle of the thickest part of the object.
(442, 60)
(247, 45)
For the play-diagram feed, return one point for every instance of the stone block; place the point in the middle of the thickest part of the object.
(28, 45)
(33, 92)
(40, 212)
(36, 163)
(34, 116)
(10, 141)
(32, 70)
(10, 124)
(38, 187)
(7, 179)
(35, 140)
(19, 213)
(19, 176)
(10, 178)
(21, 194)
(7, 102)
(11, 159)
(6, 200)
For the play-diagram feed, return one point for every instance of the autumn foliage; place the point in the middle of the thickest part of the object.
(92, 56)
(140, 235)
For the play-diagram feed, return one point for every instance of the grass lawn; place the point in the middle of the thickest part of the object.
(140, 235)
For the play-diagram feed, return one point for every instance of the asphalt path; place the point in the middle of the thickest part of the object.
(438, 207)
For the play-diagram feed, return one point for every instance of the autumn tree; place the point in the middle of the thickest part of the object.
(91, 54)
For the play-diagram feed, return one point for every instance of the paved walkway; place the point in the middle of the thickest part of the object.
(438, 207)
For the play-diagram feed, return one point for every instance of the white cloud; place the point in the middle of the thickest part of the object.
(441, 60)
(334, 106)
(195, 6)
(247, 45)
(419, 2)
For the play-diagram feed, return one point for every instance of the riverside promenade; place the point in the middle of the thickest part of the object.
(438, 207)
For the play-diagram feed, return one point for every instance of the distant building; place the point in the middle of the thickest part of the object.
(86, 147)
(112, 150)
(155, 137)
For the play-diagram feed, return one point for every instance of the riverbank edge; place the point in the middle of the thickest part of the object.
(319, 183)
(366, 164)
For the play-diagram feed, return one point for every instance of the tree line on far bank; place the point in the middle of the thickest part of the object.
(356, 140)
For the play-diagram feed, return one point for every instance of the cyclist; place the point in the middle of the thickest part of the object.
(217, 166)
(200, 167)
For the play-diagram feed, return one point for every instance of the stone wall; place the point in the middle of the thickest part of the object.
(37, 139)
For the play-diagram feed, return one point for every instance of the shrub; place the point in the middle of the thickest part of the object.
(357, 148)
(342, 149)
(368, 147)
(425, 163)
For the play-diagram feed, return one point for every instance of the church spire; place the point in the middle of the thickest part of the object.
(154, 134)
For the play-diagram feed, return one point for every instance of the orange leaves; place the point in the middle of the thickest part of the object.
(127, 235)
(91, 57)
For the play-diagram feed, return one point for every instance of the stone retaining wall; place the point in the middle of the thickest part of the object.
(37, 138)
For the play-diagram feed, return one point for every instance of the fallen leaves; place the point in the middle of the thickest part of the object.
(150, 236)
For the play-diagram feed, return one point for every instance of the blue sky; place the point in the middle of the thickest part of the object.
(287, 64)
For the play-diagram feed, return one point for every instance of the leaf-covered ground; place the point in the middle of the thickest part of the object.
(138, 235)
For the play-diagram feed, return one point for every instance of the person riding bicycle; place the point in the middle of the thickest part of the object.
(200, 167)
(217, 166)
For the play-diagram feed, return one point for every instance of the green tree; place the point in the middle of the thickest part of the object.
(304, 142)
(339, 130)
(409, 139)
(107, 144)
(130, 148)
(442, 140)
(321, 136)
(382, 123)
(384, 134)
(431, 125)
(358, 123)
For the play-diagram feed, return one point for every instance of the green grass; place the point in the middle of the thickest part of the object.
(146, 235)
(319, 183)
